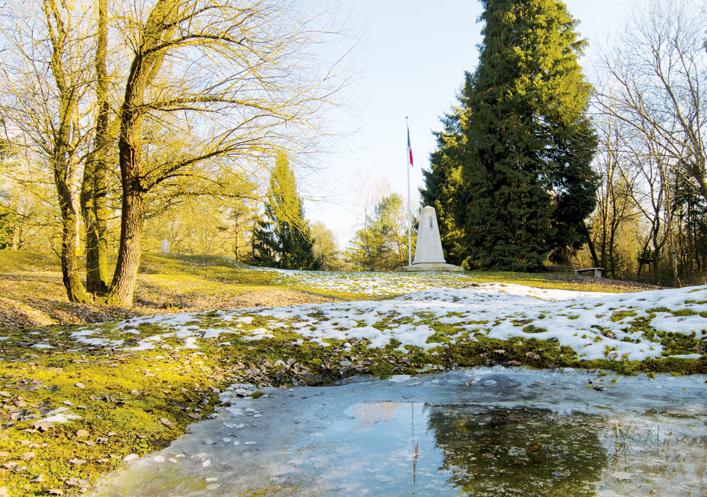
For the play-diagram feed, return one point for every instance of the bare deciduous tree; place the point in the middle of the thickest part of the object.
(656, 93)
(45, 79)
(94, 186)
(208, 85)
(227, 71)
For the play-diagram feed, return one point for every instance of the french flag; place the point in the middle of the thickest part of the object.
(410, 149)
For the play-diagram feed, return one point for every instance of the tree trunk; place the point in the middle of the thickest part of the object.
(656, 254)
(673, 259)
(590, 244)
(123, 285)
(611, 266)
(130, 157)
(143, 69)
(16, 237)
(71, 275)
(62, 160)
(236, 220)
(94, 212)
(94, 188)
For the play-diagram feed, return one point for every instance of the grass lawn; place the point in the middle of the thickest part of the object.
(32, 294)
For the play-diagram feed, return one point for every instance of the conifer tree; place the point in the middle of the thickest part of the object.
(523, 146)
(442, 186)
(528, 181)
(283, 237)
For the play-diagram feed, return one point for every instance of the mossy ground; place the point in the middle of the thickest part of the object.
(136, 402)
(133, 402)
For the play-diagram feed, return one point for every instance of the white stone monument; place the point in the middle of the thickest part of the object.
(165, 246)
(428, 249)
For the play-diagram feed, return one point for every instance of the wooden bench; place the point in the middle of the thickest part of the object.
(598, 271)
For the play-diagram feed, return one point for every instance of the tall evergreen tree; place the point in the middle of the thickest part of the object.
(283, 237)
(525, 142)
(529, 180)
(443, 180)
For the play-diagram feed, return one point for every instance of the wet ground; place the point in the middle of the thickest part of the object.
(479, 432)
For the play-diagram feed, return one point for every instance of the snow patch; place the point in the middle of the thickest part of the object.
(595, 325)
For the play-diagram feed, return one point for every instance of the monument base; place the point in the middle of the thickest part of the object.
(432, 266)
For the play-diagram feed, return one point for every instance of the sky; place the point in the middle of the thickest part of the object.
(408, 58)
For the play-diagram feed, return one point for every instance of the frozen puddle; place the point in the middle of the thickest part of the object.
(478, 432)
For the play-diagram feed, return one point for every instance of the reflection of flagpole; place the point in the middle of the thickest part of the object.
(408, 165)
(415, 447)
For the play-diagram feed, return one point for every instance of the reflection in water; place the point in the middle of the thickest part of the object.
(369, 414)
(519, 451)
(475, 433)
(647, 456)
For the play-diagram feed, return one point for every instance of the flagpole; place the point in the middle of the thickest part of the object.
(407, 168)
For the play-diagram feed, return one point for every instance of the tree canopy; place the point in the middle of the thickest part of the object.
(512, 172)
(381, 245)
(283, 237)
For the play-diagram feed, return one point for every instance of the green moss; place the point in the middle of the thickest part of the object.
(138, 402)
(603, 331)
(128, 404)
(655, 310)
(685, 312)
(531, 328)
(621, 315)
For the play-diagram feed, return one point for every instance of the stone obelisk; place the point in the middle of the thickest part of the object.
(428, 249)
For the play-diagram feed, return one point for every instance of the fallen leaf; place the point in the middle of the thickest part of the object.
(42, 426)
(167, 422)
